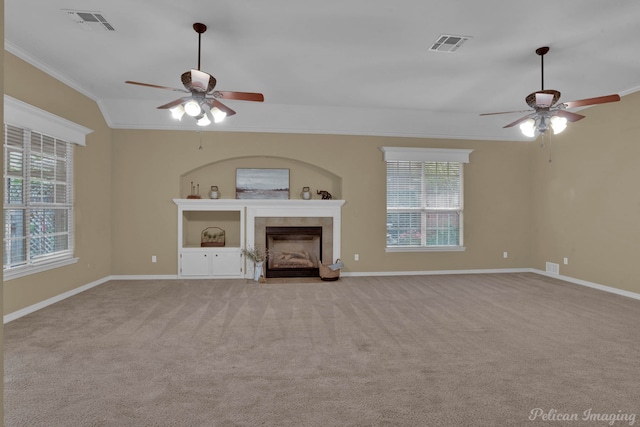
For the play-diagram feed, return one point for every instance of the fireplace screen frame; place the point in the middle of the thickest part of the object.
(314, 232)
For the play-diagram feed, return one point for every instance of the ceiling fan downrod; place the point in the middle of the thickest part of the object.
(200, 28)
(542, 52)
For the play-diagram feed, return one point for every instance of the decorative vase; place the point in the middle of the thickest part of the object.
(257, 271)
(306, 193)
(214, 192)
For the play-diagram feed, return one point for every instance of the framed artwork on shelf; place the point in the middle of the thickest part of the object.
(212, 236)
(262, 183)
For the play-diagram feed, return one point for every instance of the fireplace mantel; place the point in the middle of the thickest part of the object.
(253, 209)
(268, 208)
(292, 209)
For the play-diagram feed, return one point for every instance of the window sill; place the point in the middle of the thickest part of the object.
(17, 272)
(425, 249)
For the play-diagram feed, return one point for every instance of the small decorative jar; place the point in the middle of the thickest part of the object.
(214, 192)
(306, 193)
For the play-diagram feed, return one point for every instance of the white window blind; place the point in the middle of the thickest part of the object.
(38, 199)
(424, 198)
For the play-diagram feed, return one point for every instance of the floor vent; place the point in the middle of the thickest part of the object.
(89, 21)
(449, 43)
(553, 268)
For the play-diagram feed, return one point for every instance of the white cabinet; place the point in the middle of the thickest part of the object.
(211, 262)
(195, 261)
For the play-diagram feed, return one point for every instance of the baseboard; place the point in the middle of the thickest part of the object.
(588, 284)
(434, 272)
(145, 277)
(42, 304)
(35, 307)
(501, 270)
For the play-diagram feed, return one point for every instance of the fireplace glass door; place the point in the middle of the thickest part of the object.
(293, 251)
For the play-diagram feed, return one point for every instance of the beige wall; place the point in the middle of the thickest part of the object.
(92, 187)
(148, 166)
(581, 206)
(586, 203)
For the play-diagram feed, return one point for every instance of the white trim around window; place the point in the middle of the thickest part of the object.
(416, 204)
(419, 154)
(55, 132)
(17, 272)
(21, 114)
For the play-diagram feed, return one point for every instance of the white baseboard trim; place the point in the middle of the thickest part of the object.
(581, 282)
(35, 307)
(146, 277)
(42, 304)
(569, 279)
(434, 272)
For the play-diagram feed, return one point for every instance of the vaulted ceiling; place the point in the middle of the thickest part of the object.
(335, 67)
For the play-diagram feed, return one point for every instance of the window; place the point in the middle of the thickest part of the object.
(38, 190)
(424, 198)
(38, 204)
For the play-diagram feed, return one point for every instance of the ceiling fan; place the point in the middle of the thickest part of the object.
(546, 111)
(202, 103)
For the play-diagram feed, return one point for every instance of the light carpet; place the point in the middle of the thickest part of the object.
(451, 350)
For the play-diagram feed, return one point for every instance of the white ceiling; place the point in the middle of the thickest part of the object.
(336, 66)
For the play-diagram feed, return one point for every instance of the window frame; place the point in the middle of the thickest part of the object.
(33, 119)
(427, 155)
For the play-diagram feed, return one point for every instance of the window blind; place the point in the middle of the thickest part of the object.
(424, 199)
(38, 200)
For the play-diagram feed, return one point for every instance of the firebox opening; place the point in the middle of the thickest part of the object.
(293, 251)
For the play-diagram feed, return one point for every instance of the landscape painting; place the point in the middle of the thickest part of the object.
(262, 183)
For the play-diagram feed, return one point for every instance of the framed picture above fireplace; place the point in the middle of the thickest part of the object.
(262, 183)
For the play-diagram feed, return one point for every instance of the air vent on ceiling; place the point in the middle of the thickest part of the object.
(89, 21)
(449, 43)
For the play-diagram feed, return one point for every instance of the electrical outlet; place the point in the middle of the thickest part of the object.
(154, 259)
(356, 257)
(566, 261)
(505, 254)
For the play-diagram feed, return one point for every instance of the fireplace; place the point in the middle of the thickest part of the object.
(293, 251)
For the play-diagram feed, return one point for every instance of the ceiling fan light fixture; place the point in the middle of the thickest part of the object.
(558, 124)
(177, 112)
(203, 120)
(528, 128)
(218, 114)
(192, 108)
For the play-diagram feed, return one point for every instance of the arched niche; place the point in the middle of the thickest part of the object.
(222, 174)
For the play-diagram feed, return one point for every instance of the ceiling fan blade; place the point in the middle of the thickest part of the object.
(505, 112)
(520, 120)
(592, 101)
(571, 117)
(174, 103)
(215, 103)
(156, 86)
(239, 96)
